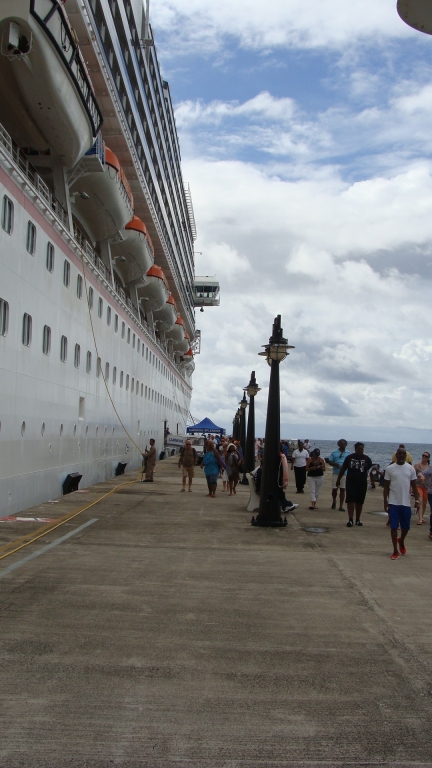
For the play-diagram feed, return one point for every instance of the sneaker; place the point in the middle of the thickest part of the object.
(359, 522)
(402, 549)
(350, 524)
(394, 556)
(291, 507)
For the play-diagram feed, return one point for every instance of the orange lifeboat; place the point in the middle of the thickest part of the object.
(154, 294)
(177, 332)
(134, 254)
(102, 197)
(166, 317)
(188, 359)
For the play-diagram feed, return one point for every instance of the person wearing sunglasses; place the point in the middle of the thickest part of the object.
(421, 467)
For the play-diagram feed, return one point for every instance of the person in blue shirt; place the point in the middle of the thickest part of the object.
(212, 464)
(336, 460)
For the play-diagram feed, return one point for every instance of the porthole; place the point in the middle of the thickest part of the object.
(61, 429)
(50, 447)
(23, 428)
(74, 430)
(86, 430)
(43, 429)
(97, 430)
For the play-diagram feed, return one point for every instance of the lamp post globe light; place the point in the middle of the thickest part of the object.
(251, 390)
(243, 405)
(270, 510)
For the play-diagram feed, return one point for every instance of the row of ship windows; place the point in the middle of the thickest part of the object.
(27, 330)
(7, 224)
(141, 432)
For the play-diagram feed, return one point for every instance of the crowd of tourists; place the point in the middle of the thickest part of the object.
(352, 474)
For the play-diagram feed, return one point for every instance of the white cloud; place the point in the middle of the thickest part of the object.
(200, 25)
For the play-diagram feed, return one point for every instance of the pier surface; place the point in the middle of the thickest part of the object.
(159, 629)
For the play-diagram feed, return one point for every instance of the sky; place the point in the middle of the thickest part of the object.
(306, 138)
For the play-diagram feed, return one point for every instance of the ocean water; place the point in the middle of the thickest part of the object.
(380, 453)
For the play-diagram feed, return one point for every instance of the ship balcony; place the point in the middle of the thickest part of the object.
(206, 292)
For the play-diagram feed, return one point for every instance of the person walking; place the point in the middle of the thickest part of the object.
(357, 466)
(150, 461)
(399, 478)
(315, 468)
(212, 464)
(426, 477)
(421, 467)
(187, 459)
(298, 461)
(336, 459)
(232, 468)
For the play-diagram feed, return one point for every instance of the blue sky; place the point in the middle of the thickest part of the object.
(306, 136)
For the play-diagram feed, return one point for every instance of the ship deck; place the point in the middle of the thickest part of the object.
(159, 629)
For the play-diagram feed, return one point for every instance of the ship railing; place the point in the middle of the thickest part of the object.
(52, 18)
(21, 161)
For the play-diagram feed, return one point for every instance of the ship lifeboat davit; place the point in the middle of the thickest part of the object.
(167, 316)
(154, 294)
(183, 345)
(102, 198)
(46, 97)
(133, 254)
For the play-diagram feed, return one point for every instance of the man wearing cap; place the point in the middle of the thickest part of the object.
(187, 460)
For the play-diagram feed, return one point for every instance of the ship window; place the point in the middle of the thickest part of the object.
(4, 317)
(7, 215)
(66, 273)
(138, 345)
(27, 330)
(108, 315)
(116, 321)
(133, 341)
(145, 392)
(79, 286)
(146, 353)
(50, 257)
(106, 371)
(81, 410)
(63, 349)
(77, 356)
(127, 381)
(142, 389)
(90, 297)
(46, 340)
(128, 335)
(142, 350)
(132, 384)
(100, 307)
(31, 238)
(123, 330)
(98, 367)
(121, 378)
(88, 362)
(114, 375)
(137, 387)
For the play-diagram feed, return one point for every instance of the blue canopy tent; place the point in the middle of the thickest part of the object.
(205, 426)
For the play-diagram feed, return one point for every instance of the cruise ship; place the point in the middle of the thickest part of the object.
(97, 285)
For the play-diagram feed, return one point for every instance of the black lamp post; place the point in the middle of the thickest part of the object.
(251, 390)
(270, 510)
(243, 405)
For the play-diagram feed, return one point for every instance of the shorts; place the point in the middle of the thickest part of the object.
(355, 494)
(212, 479)
(188, 472)
(342, 482)
(400, 516)
(423, 492)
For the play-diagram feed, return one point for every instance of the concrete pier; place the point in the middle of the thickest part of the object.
(162, 630)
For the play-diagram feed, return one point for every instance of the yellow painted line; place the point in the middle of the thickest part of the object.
(24, 541)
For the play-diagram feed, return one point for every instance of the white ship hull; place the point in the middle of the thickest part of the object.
(44, 436)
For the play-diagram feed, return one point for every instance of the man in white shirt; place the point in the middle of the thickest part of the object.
(298, 461)
(398, 479)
